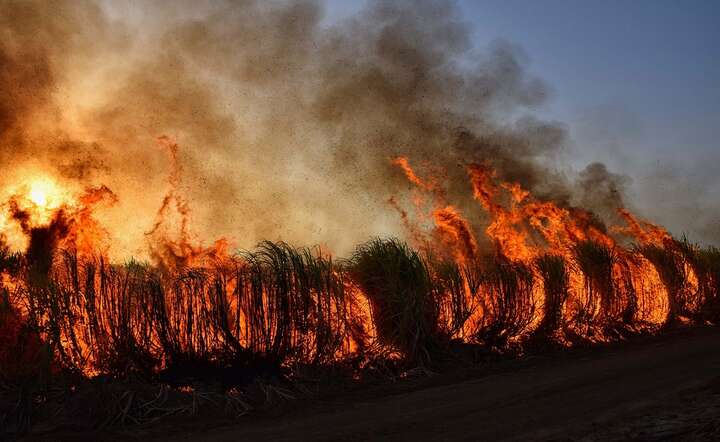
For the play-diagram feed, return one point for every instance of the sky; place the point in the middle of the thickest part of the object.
(655, 61)
(636, 82)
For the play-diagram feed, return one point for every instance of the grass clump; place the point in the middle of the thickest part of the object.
(507, 302)
(397, 282)
(457, 288)
(671, 268)
(709, 261)
(601, 303)
(556, 283)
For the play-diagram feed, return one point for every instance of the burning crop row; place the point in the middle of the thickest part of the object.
(541, 272)
(278, 310)
(299, 306)
(540, 268)
(295, 306)
(296, 129)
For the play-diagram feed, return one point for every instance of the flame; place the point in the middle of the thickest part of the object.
(40, 198)
(517, 230)
(177, 248)
(451, 227)
(643, 231)
(39, 193)
(522, 228)
(457, 233)
(44, 213)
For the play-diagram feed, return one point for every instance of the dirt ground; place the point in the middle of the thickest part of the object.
(655, 388)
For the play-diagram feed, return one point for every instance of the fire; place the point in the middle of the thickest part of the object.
(44, 215)
(45, 193)
(40, 199)
(528, 267)
(134, 290)
(453, 231)
(605, 282)
(39, 193)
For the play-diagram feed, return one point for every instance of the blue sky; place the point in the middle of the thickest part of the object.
(656, 62)
(636, 82)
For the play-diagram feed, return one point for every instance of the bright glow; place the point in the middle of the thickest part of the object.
(44, 193)
(35, 202)
(38, 196)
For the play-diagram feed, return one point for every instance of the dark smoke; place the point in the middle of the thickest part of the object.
(602, 190)
(40, 41)
(286, 126)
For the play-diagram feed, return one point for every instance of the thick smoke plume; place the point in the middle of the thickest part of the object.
(286, 127)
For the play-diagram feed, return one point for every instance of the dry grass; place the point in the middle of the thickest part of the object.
(507, 302)
(671, 268)
(556, 282)
(397, 282)
(269, 314)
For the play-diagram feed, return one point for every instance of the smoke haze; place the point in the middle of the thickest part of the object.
(286, 126)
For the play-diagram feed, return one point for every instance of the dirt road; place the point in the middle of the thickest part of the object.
(582, 396)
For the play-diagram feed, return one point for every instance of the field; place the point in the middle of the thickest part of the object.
(112, 346)
(277, 219)
(642, 389)
(209, 332)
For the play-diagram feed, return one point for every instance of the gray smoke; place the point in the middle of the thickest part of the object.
(286, 125)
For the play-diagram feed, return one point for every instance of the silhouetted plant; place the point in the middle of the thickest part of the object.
(508, 306)
(671, 268)
(554, 274)
(397, 282)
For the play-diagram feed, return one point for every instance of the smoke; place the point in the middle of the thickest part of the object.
(602, 190)
(675, 189)
(286, 127)
(684, 195)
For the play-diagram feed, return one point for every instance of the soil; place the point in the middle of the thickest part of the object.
(650, 388)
